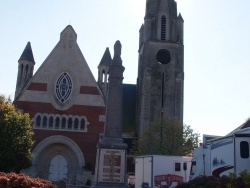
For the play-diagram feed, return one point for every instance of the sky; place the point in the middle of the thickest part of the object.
(216, 55)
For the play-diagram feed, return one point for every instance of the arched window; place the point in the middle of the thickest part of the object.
(82, 126)
(163, 28)
(76, 122)
(21, 75)
(70, 123)
(60, 122)
(38, 121)
(26, 71)
(103, 75)
(44, 121)
(57, 123)
(31, 71)
(51, 121)
(63, 123)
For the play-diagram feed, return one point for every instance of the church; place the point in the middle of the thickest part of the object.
(67, 105)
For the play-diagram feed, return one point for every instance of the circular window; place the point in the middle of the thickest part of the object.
(163, 56)
(63, 87)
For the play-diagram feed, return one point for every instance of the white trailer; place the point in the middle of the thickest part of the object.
(161, 171)
(220, 155)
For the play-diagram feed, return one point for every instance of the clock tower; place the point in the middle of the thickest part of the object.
(160, 79)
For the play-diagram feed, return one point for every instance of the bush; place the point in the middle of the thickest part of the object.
(202, 182)
(12, 180)
(230, 181)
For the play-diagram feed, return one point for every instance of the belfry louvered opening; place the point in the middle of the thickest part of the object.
(163, 28)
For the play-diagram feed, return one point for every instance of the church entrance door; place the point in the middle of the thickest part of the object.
(58, 168)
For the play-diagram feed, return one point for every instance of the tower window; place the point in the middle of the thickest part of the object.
(163, 56)
(26, 71)
(103, 76)
(21, 75)
(163, 28)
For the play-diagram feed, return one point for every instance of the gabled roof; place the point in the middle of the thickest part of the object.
(106, 58)
(66, 57)
(27, 53)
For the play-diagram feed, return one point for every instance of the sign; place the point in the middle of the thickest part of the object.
(111, 166)
(167, 179)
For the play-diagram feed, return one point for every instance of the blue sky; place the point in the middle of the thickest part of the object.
(216, 39)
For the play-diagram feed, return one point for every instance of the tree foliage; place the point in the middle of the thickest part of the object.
(15, 138)
(167, 136)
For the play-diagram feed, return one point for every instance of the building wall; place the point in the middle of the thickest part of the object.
(63, 88)
(160, 81)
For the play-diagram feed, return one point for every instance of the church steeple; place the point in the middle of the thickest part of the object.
(160, 20)
(27, 54)
(25, 69)
(161, 64)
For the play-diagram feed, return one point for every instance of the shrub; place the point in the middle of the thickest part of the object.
(12, 180)
(230, 181)
(245, 175)
(202, 182)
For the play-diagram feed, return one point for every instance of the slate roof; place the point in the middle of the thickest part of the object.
(27, 53)
(106, 58)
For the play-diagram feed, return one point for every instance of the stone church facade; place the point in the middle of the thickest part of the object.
(67, 105)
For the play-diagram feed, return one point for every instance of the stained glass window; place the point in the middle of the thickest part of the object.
(63, 87)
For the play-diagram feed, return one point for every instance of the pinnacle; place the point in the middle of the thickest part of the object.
(106, 58)
(27, 53)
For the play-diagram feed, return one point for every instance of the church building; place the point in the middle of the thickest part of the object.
(67, 105)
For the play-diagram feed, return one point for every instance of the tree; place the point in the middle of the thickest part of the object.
(15, 138)
(167, 136)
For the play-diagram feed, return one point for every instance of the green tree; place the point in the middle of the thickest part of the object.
(167, 136)
(15, 138)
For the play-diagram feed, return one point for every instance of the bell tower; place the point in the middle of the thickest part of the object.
(25, 69)
(160, 79)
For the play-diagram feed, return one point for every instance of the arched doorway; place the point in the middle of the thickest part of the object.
(52, 146)
(58, 168)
